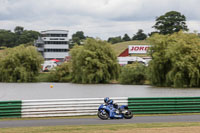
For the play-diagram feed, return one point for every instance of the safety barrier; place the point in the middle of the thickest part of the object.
(89, 106)
(164, 105)
(64, 107)
(10, 109)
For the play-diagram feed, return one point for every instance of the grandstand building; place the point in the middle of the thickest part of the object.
(53, 44)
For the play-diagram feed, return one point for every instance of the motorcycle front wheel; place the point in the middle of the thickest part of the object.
(128, 114)
(102, 114)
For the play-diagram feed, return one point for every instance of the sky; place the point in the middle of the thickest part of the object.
(96, 18)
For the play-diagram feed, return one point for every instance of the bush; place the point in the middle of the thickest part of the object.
(133, 74)
(61, 73)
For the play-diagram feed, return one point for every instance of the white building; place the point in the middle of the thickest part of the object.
(53, 44)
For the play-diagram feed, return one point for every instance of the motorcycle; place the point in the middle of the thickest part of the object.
(113, 111)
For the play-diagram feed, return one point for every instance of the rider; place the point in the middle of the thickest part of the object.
(109, 101)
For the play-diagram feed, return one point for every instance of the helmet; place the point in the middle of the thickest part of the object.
(106, 99)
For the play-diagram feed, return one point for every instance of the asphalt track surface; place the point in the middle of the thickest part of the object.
(96, 121)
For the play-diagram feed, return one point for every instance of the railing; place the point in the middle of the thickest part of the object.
(164, 105)
(10, 109)
(64, 107)
(89, 106)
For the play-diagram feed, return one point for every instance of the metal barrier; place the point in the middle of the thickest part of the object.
(10, 109)
(89, 106)
(164, 105)
(64, 107)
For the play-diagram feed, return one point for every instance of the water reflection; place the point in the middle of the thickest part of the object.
(27, 91)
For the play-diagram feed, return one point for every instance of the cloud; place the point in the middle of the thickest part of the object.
(104, 9)
(102, 18)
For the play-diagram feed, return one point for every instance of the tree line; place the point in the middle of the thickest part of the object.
(79, 37)
(19, 36)
(140, 35)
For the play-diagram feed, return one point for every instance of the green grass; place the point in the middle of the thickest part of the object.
(120, 47)
(97, 128)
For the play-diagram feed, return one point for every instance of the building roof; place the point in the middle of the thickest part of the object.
(124, 53)
(55, 32)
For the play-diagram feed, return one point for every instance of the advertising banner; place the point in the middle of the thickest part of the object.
(138, 49)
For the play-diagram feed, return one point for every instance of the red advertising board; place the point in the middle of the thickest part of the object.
(138, 49)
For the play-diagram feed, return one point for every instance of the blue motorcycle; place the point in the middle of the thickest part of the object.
(113, 111)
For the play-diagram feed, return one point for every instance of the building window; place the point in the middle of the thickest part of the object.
(54, 35)
(56, 42)
(53, 38)
(56, 50)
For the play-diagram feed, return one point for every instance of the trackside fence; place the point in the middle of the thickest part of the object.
(89, 106)
(164, 105)
(10, 109)
(64, 107)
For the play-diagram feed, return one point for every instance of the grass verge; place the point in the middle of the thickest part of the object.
(120, 128)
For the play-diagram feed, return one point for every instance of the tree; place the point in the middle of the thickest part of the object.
(126, 38)
(78, 37)
(175, 60)
(7, 38)
(19, 64)
(159, 66)
(170, 22)
(139, 35)
(19, 30)
(28, 36)
(114, 40)
(94, 62)
(153, 32)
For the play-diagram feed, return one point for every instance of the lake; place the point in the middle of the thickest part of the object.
(28, 91)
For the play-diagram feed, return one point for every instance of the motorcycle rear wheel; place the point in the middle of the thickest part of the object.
(102, 114)
(128, 114)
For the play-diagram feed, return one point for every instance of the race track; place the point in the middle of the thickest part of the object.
(95, 121)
